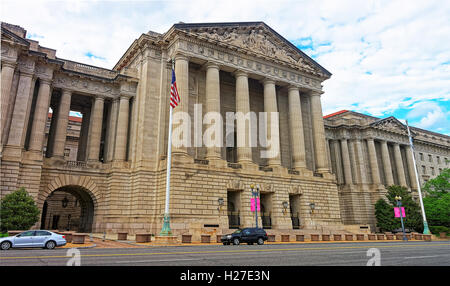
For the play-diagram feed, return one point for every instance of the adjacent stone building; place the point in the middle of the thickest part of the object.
(367, 154)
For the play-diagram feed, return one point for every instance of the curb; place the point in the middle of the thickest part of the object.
(82, 247)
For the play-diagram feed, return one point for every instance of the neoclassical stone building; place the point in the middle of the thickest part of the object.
(367, 154)
(117, 181)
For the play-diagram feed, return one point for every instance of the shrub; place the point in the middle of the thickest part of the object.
(18, 211)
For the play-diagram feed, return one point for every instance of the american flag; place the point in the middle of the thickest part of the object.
(174, 96)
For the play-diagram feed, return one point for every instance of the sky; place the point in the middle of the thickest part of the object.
(387, 58)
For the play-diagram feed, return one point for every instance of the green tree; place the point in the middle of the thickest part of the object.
(18, 211)
(384, 211)
(437, 202)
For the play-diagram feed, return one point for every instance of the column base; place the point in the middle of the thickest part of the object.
(181, 158)
(12, 153)
(217, 162)
(248, 165)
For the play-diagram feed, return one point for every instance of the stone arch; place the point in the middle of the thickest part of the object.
(63, 180)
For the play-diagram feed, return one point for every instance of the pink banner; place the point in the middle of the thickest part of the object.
(397, 212)
(252, 205)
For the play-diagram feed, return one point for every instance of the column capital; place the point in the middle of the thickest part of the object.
(267, 80)
(181, 57)
(9, 64)
(45, 81)
(293, 87)
(98, 97)
(239, 73)
(316, 93)
(211, 65)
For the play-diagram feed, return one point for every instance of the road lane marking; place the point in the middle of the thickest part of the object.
(225, 251)
(428, 256)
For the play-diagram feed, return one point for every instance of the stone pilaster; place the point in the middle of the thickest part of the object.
(387, 164)
(95, 130)
(270, 107)
(399, 165)
(40, 116)
(112, 129)
(320, 152)
(346, 162)
(213, 152)
(244, 139)
(83, 140)
(122, 129)
(360, 161)
(296, 129)
(61, 125)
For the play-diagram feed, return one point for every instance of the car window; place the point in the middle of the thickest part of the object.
(42, 233)
(27, 233)
(247, 232)
(237, 231)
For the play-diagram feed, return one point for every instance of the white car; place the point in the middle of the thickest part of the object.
(33, 238)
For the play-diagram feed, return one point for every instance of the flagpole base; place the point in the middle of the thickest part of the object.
(426, 230)
(166, 231)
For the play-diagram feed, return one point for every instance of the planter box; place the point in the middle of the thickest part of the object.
(337, 237)
(371, 236)
(285, 238)
(218, 238)
(300, 237)
(427, 237)
(349, 237)
(206, 238)
(399, 236)
(14, 232)
(186, 238)
(418, 236)
(122, 235)
(142, 237)
(380, 236)
(325, 237)
(78, 238)
(360, 237)
(389, 236)
(271, 238)
(68, 236)
(314, 237)
(442, 235)
(408, 236)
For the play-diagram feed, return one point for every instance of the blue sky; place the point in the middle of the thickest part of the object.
(387, 57)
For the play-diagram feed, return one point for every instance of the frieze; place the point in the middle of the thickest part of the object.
(265, 69)
(87, 86)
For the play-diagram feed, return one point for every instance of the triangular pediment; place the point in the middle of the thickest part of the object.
(255, 38)
(391, 124)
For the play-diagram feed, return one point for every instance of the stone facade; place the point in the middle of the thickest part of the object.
(367, 154)
(119, 174)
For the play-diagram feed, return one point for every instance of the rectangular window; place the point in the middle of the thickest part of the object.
(430, 158)
(432, 171)
(66, 152)
(438, 159)
(421, 156)
(424, 170)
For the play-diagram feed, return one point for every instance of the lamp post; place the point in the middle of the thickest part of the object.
(399, 205)
(255, 195)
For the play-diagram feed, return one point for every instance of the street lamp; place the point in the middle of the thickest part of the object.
(312, 206)
(285, 206)
(399, 205)
(255, 195)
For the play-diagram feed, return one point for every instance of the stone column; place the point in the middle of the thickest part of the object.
(122, 129)
(95, 130)
(399, 165)
(83, 139)
(386, 164)
(373, 162)
(360, 160)
(338, 161)
(296, 128)
(243, 134)
(182, 78)
(411, 168)
(6, 83)
(213, 106)
(111, 129)
(346, 162)
(61, 125)
(40, 116)
(270, 106)
(320, 152)
(17, 131)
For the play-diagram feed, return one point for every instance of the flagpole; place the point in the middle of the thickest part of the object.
(426, 230)
(166, 231)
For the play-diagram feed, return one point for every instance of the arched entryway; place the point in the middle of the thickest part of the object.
(68, 208)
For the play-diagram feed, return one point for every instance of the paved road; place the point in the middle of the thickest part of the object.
(311, 254)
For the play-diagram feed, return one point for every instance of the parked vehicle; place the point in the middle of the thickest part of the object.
(33, 238)
(247, 235)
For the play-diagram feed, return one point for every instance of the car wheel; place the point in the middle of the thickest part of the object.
(260, 241)
(5, 245)
(236, 241)
(50, 244)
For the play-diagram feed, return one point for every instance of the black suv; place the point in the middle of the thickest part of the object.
(248, 235)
